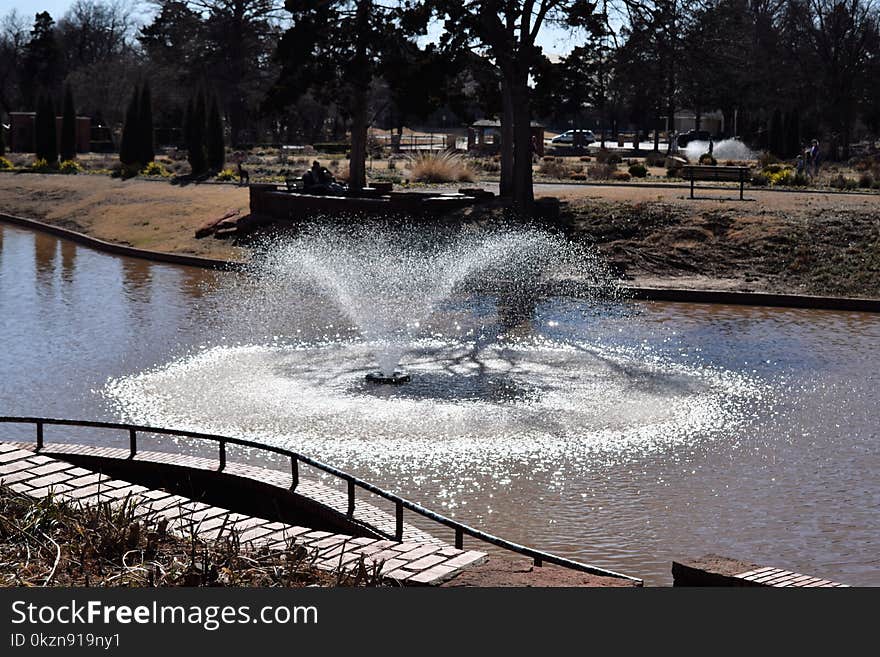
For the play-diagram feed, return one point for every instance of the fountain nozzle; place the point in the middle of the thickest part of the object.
(395, 378)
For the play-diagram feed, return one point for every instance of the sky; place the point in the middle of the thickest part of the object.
(555, 41)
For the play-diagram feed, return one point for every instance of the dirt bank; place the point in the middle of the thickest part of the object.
(785, 242)
(140, 213)
(793, 244)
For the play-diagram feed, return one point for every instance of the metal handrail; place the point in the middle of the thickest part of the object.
(538, 556)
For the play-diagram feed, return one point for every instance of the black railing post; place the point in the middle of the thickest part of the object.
(398, 524)
(132, 443)
(350, 498)
(538, 562)
(459, 538)
(39, 436)
(294, 472)
(222, 456)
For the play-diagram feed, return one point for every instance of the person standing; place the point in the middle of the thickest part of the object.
(814, 158)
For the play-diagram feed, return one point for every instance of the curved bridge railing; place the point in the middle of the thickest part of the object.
(538, 556)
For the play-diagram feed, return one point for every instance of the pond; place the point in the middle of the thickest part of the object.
(626, 435)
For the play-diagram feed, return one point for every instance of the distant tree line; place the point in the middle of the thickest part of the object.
(297, 71)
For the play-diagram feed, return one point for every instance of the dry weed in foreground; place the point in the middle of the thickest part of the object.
(49, 542)
(440, 167)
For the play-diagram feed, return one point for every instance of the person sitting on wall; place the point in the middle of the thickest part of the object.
(318, 180)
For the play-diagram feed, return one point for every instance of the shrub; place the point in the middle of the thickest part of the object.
(4, 163)
(800, 180)
(866, 181)
(338, 147)
(578, 176)
(782, 178)
(586, 158)
(70, 167)
(155, 169)
(638, 170)
(673, 172)
(621, 176)
(655, 159)
(440, 167)
(841, 182)
(601, 171)
(555, 168)
(760, 179)
(706, 158)
(227, 175)
(41, 165)
(766, 158)
(607, 157)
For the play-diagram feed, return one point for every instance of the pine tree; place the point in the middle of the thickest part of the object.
(776, 138)
(196, 152)
(68, 128)
(2, 137)
(186, 128)
(147, 149)
(46, 137)
(128, 147)
(216, 149)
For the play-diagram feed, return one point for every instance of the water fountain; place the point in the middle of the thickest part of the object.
(508, 337)
(388, 281)
(722, 150)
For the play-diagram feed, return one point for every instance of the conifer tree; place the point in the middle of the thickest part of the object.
(196, 151)
(68, 127)
(147, 149)
(128, 147)
(215, 147)
(46, 137)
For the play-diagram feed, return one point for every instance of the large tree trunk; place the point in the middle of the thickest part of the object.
(507, 140)
(523, 191)
(357, 163)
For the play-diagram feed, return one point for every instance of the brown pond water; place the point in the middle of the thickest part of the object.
(649, 432)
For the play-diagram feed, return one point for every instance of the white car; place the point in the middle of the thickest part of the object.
(567, 137)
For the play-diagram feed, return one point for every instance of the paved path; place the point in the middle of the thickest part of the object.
(409, 562)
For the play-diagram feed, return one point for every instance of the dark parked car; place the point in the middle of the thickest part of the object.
(692, 135)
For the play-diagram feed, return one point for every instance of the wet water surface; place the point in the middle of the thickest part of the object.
(624, 435)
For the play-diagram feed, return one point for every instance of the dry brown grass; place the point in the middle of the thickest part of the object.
(48, 542)
(440, 168)
(143, 213)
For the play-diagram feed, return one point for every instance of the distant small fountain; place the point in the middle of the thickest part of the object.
(725, 149)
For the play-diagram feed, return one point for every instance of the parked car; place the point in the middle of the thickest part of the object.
(567, 137)
(686, 138)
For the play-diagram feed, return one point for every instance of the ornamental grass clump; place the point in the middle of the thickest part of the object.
(440, 167)
(50, 542)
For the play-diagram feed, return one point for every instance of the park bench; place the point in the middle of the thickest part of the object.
(694, 172)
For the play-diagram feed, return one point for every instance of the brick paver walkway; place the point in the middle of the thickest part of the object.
(418, 559)
(769, 576)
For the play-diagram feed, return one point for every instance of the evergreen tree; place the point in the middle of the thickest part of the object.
(2, 137)
(196, 151)
(147, 149)
(186, 128)
(215, 148)
(128, 147)
(46, 137)
(68, 127)
(776, 138)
